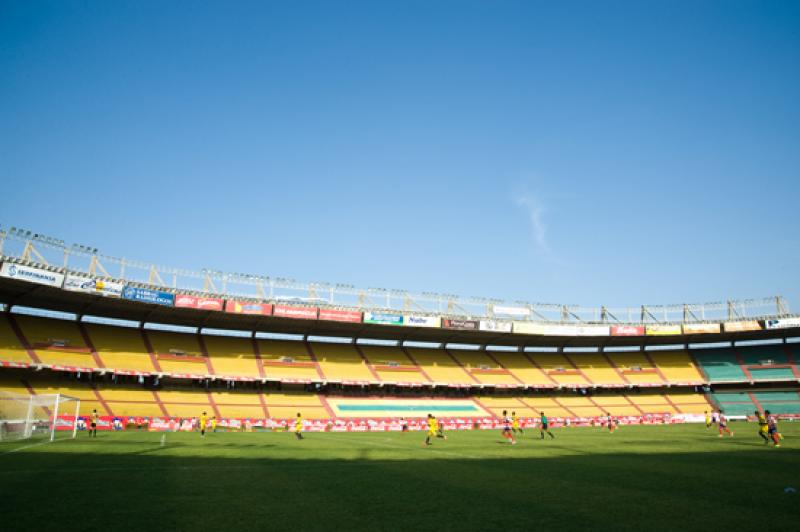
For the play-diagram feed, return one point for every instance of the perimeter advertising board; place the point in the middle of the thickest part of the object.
(785, 323)
(701, 328)
(31, 274)
(145, 295)
(464, 325)
(663, 330)
(199, 303)
(627, 330)
(495, 326)
(383, 319)
(411, 320)
(593, 330)
(244, 307)
(740, 326)
(91, 285)
(300, 313)
(349, 316)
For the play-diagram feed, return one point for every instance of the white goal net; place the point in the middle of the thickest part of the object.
(38, 416)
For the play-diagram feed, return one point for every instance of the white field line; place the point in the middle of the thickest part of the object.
(163, 439)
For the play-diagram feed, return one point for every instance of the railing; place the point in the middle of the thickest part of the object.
(27, 247)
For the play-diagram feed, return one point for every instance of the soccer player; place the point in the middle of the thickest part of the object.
(545, 426)
(213, 423)
(610, 422)
(431, 429)
(763, 427)
(93, 426)
(772, 428)
(403, 424)
(203, 423)
(440, 430)
(298, 427)
(515, 424)
(708, 419)
(722, 423)
(507, 428)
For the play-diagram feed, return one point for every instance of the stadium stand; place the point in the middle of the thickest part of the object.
(743, 403)
(559, 368)
(439, 368)
(232, 356)
(286, 360)
(341, 362)
(120, 348)
(675, 367)
(56, 342)
(483, 367)
(391, 364)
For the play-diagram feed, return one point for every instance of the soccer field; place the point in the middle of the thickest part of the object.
(639, 478)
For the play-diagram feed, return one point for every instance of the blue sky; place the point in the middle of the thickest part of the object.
(587, 152)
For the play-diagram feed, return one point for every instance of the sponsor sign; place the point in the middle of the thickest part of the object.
(243, 307)
(627, 330)
(593, 330)
(495, 326)
(561, 330)
(663, 330)
(464, 325)
(782, 324)
(301, 313)
(349, 316)
(91, 285)
(739, 326)
(511, 311)
(411, 320)
(145, 295)
(383, 319)
(701, 328)
(527, 327)
(31, 274)
(200, 303)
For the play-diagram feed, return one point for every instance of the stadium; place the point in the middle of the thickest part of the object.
(90, 339)
(387, 266)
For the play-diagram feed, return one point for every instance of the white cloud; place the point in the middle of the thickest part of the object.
(536, 211)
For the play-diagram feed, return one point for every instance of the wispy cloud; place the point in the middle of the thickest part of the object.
(536, 211)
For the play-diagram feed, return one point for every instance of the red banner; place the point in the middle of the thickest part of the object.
(302, 313)
(627, 330)
(340, 315)
(243, 307)
(200, 303)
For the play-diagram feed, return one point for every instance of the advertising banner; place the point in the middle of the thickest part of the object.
(663, 330)
(561, 330)
(593, 330)
(300, 313)
(782, 324)
(411, 320)
(383, 319)
(91, 285)
(511, 311)
(739, 326)
(701, 328)
(495, 326)
(31, 275)
(627, 330)
(527, 327)
(244, 307)
(464, 325)
(350, 316)
(200, 303)
(145, 295)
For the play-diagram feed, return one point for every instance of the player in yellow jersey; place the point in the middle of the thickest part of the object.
(708, 419)
(298, 427)
(432, 426)
(214, 424)
(93, 426)
(203, 423)
(763, 428)
(515, 426)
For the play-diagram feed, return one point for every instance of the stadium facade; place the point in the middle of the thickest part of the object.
(251, 349)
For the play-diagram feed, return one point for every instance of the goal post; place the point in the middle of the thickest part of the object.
(50, 416)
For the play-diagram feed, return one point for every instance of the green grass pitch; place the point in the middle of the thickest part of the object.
(680, 477)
